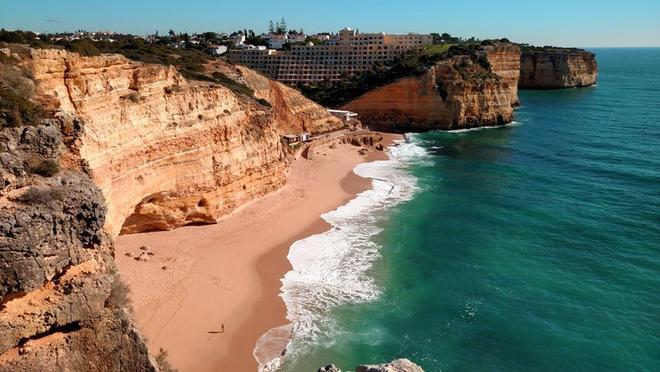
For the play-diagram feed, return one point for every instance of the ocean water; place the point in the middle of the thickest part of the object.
(535, 246)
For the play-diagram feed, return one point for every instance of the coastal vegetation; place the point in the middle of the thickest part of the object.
(44, 167)
(17, 109)
(412, 63)
(16, 92)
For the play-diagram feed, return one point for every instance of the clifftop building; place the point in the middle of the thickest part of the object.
(344, 53)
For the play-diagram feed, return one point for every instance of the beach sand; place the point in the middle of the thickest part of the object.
(197, 278)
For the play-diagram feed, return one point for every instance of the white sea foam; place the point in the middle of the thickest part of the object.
(330, 269)
(511, 124)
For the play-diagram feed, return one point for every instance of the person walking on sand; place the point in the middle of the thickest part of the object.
(222, 327)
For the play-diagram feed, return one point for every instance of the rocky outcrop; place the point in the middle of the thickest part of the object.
(399, 365)
(453, 94)
(504, 59)
(556, 68)
(167, 152)
(61, 304)
(357, 138)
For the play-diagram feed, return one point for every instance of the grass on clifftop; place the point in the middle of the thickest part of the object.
(436, 49)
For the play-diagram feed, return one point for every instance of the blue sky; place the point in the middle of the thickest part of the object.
(582, 23)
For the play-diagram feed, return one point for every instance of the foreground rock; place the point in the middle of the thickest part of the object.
(399, 365)
(504, 60)
(557, 68)
(61, 302)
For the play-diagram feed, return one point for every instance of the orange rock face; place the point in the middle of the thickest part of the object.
(167, 152)
(504, 60)
(139, 148)
(455, 93)
(293, 111)
(555, 68)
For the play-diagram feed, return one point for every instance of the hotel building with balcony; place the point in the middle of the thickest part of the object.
(344, 53)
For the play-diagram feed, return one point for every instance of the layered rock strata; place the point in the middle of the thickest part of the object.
(167, 152)
(294, 112)
(138, 146)
(557, 68)
(61, 302)
(453, 94)
(504, 59)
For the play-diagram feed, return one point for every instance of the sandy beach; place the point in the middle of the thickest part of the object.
(193, 280)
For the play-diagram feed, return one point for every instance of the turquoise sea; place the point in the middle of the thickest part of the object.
(535, 246)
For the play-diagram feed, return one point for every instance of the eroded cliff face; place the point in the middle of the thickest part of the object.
(556, 68)
(294, 112)
(453, 94)
(504, 59)
(61, 304)
(138, 147)
(167, 152)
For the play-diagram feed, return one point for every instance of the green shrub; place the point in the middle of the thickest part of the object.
(172, 89)
(16, 109)
(85, 47)
(44, 167)
(42, 195)
(118, 297)
(163, 364)
(263, 102)
(235, 86)
(17, 37)
(134, 97)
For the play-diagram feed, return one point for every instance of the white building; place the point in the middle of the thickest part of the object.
(345, 116)
(297, 38)
(238, 39)
(217, 50)
(275, 41)
(321, 37)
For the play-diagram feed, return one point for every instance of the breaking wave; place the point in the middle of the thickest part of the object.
(331, 268)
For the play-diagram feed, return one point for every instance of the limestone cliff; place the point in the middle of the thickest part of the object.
(294, 112)
(454, 93)
(61, 304)
(138, 146)
(556, 68)
(167, 152)
(504, 59)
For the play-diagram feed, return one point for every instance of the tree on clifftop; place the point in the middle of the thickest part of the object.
(280, 27)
